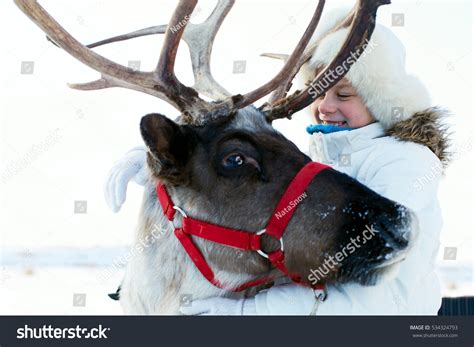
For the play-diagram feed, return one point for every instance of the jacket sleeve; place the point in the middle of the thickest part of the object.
(411, 179)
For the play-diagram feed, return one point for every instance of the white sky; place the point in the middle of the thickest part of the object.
(37, 203)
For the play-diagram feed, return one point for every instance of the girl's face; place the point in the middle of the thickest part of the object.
(341, 106)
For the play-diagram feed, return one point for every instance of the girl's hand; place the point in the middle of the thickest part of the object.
(130, 167)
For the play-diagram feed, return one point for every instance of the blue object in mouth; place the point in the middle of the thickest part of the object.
(324, 128)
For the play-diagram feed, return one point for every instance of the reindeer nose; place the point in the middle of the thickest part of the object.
(386, 240)
(395, 229)
(398, 229)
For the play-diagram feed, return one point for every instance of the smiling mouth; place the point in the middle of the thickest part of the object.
(337, 124)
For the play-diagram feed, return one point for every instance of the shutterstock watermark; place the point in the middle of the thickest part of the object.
(436, 170)
(291, 205)
(332, 75)
(156, 233)
(332, 262)
(49, 332)
(35, 151)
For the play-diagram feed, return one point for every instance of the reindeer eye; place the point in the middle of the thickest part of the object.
(233, 160)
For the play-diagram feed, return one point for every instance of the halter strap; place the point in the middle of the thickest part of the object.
(240, 239)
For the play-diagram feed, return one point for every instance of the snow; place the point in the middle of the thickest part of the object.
(50, 291)
(45, 281)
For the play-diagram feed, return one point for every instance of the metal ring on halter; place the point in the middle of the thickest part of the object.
(320, 294)
(180, 210)
(182, 213)
(262, 253)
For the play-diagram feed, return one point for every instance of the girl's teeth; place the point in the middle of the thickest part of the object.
(334, 123)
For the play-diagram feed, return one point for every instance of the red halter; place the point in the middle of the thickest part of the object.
(242, 239)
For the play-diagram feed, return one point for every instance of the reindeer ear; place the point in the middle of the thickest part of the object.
(168, 143)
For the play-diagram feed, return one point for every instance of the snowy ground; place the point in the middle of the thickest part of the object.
(57, 291)
(52, 281)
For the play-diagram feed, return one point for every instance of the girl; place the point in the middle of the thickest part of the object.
(377, 126)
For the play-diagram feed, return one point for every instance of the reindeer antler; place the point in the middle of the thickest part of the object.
(200, 39)
(163, 83)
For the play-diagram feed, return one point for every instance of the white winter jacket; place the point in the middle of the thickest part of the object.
(406, 172)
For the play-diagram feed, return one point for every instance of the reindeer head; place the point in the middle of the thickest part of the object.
(233, 171)
(224, 163)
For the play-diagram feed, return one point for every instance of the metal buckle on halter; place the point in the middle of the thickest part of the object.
(320, 294)
(262, 253)
(181, 212)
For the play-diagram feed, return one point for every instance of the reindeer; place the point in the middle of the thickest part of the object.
(222, 179)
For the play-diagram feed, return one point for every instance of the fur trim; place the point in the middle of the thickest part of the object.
(426, 128)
